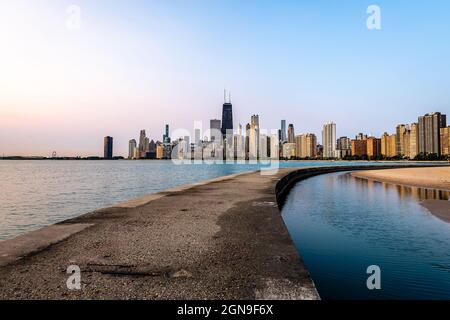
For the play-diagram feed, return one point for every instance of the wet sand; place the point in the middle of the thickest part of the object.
(439, 208)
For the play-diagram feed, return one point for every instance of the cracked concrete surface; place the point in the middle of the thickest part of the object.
(218, 240)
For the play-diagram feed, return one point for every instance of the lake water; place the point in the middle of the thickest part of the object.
(341, 225)
(39, 193)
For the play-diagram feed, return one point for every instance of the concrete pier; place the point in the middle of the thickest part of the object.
(220, 239)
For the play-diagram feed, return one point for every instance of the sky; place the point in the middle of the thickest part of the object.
(135, 65)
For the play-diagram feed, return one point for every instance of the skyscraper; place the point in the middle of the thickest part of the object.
(197, 134)
(291, 133)
(215, 130)
(247, 141)
(239, 144)
(373, 147)
(131, 148)
(429, 132)
(275, 146)
(344, 147)
(329, 140)
(402, 142)
(414, 140)
(227, 118)
(108, 147)
(343, 143)
(254, 137)
(359, 147)
(166, 135)
(151, 150)
(388, 145)
(289, 150)
(445, 141)
(142, 137)
(305, 145)
(283, 131)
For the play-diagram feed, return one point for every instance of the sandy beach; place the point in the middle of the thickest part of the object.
(433, 178)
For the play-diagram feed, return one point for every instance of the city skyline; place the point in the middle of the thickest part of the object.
(426, 139)
(426, 133)
(305, 62)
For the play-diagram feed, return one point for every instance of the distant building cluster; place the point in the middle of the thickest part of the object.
(428, 139)
(149, 149)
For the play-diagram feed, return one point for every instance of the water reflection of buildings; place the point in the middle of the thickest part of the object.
(403, 191)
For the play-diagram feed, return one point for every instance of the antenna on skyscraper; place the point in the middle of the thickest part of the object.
(224, 95)
(229, 97)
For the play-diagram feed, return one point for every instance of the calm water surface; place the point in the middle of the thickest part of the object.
(38, 193)
(341, 225)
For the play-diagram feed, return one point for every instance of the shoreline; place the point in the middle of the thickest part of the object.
(437, 179)
(230, 161)
(223, 238)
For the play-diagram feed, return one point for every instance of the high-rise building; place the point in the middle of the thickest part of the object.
(343, 143)
(239, 144)
(329, 140)
(274, 146)
(298, 145)
(359, 147)
(262, 149)
(343, 147)
(305, 145)
(186, 147)
(319, 150)
(414, 140)
(227, 118)
(146, 147)
(142, 142)
(108, 147)
(131, 148)
(159, 150)
(167, 152)
(402, 143)
(385, 145)
(254, 138)
(197, 134)
(388, 145)
(373, 147)
(429, 132)
(291, 133)
(247, 141)
(445, 141)
(289, 150)
(166, 135)
(283, 131)
(215, 130)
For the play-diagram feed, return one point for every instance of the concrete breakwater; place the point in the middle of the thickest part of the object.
(220, 239)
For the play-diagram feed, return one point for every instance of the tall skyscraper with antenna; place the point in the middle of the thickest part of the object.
(227, 117)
